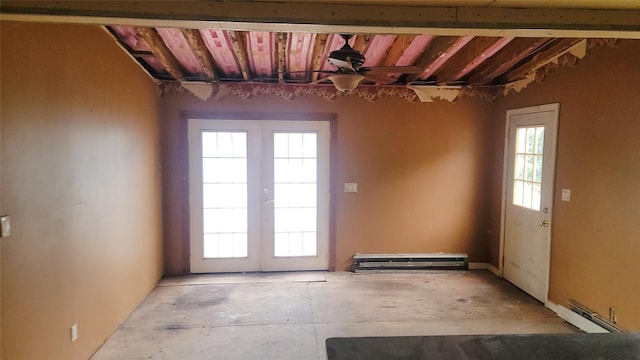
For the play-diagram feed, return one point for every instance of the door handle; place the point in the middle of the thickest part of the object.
(544, 223)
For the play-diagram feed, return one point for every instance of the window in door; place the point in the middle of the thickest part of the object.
(527, 187)
(224, 194)
(296, 193)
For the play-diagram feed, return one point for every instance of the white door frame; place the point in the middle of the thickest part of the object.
(260, 261)
(269, 262)
(195, 126)
(505, 167)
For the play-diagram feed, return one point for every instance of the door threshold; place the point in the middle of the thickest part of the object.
(244, 278)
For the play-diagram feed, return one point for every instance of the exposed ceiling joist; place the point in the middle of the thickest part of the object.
(239, 43)
(400, 44)
(510, 55)
(545, 54)
(463, 58)
(281, 56)
(362, 42)
(436, 48)
(317, 56)
(482, 58)
(194, 38)
(160, 50)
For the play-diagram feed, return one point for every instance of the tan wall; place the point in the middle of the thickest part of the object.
(1, 214)
(421, 171)
(81, 181)
(595, 237)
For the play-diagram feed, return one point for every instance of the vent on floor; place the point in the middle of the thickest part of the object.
(586, 313)
(409, 262)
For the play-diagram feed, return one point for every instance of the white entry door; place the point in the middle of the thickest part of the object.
(531, 159)
(259, 195)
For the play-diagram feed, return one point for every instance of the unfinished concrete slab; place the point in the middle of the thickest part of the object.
(292, 319)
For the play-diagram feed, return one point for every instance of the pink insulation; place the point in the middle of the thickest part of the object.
(299, 55)
(219, 44)
(260, 46)
(178, 45)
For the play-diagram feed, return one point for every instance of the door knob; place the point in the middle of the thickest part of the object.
(544, 223)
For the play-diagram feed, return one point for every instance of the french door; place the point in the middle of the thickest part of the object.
(259, 195)
(529, 204)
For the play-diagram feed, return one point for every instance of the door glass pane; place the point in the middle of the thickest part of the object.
(538, 169)
(295, 194)
(521, 147)
(531, 138)
(529, 157)
(224, 194)
(529, 171)
(520, 167)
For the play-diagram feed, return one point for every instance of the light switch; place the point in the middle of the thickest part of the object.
(5, 226)
(350, 187)
(566, 194)
(74, 332)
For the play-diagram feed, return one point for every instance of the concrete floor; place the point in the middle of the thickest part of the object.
(289, 316)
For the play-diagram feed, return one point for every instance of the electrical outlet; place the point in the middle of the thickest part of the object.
(350, 187)
(74, 332)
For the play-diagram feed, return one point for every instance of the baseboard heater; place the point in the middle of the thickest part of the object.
(409, 262)
(586, 313)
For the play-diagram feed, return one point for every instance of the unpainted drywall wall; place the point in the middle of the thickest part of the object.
(81, 182)
(595, 237)
(421, 170)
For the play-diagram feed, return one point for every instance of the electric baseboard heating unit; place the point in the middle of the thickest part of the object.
(409, 262)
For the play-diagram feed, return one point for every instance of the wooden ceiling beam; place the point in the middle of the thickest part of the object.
(361, 42)
(476, 47)
(400, 44)
(239, 43)
(201, 52)
(484, 57)
(337, 17)
(162, 52)
(434, 50)
(545, 54)
(281, 55)
(505, 59)
(319, 46)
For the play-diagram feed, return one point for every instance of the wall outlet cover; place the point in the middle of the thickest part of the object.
(350, 187)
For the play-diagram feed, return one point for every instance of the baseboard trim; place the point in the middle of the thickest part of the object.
(575, 319)
(495, 270)
(484, 266)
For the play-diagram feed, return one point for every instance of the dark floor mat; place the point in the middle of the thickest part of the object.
(488, 347)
